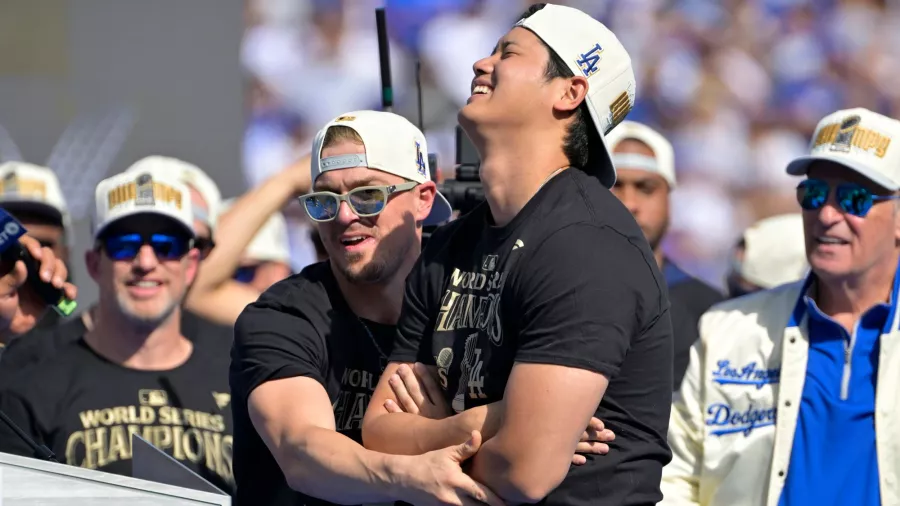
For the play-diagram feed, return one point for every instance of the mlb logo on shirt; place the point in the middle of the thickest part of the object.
(489, 263)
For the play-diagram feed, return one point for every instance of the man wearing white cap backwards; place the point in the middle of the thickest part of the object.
(309, 352)
(791, 397)
(545, 303)
(645, 177)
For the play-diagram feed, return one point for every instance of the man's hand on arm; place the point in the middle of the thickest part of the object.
(320, 462)
(547, 408)
(416, 392)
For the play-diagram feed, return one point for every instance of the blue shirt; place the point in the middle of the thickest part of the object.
(833, 459)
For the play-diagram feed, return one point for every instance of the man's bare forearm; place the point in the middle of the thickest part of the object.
(408, 434)
(325, 464)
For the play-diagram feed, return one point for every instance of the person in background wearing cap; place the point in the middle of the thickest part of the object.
(133, 371)
(545, 303)
(267, 259)
(44, 340)
(771, 253)
(31, 194)
(790, 395)
(308, 353)
(216, 295)
(645, 176)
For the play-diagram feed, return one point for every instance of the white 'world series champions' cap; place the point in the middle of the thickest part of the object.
(132, 193)
(393, 145)
(591, 50)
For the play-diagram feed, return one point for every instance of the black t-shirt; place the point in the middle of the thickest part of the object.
(569, 281)
(301, 326)
(85, 408)
(690, 298)
(52, 332)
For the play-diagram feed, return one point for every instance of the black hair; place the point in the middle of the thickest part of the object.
(581, 140)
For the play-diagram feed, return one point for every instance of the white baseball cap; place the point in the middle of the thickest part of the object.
(271, 242)
(859, 139)
(591, 50)
(393, 145)
(192, 176)
(775, 251)
(28, 187)
(663, 160)
(131, 193)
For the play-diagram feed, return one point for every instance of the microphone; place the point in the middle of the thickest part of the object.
(11, 251)
(40, 451)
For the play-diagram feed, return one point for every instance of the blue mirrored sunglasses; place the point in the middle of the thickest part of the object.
(127, 246)
(812, 194)
(364, 201)
(245, 273)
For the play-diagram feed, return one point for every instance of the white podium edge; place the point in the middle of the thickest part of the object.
(115, 480)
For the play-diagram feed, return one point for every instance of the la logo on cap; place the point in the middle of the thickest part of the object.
(420, 160)
(588, 60)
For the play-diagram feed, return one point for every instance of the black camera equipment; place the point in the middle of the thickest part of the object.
(465, 191)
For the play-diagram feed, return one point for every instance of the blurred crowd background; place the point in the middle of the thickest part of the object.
(736, 85)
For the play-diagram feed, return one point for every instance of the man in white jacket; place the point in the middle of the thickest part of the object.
(781, 402)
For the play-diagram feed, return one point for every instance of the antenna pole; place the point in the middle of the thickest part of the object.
(384, 53)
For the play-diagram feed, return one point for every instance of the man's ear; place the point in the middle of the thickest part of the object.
(573, 93)
(426, 196)
(92, 262)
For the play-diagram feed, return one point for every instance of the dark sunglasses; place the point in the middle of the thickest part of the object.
(812, 194)
(127, 246)
(246, 273)
(205, 245)
(365, 201)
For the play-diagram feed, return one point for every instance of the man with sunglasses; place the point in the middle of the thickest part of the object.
(790, 395)
(134, 371)
(205, 199)
(267, 259)
(309, 352)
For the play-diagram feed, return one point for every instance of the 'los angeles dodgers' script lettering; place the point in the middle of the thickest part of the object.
(750, 374)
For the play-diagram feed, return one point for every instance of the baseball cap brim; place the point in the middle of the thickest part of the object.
(440, 210)
(36, 207)
(138, 212)
(800, 167)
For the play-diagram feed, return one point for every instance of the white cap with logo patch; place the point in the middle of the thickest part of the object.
(774, 251)
(663, 160)
(859, 139)
(192, 176)
(131, 193)
(393, 145)
(591, 50)
(33, 188)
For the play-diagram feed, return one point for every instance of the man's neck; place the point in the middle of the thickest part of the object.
(151, 349)
(660, 257)
(846, 300)
(514, 171)
(377, 302)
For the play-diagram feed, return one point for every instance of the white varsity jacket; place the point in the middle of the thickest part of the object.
(733, 420)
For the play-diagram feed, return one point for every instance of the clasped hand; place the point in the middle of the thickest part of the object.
(418, 393)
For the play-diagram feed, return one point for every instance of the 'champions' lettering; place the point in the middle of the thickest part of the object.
(750, 374)
(862, 138)
(481, 311)
(729, 421)
(129, 192)
(185, 434)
